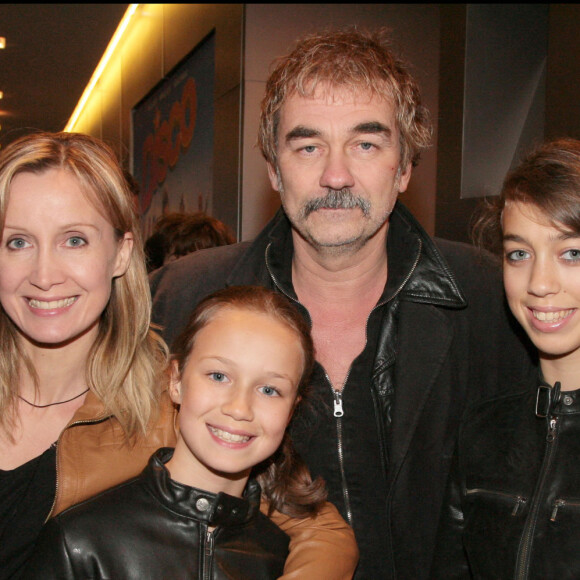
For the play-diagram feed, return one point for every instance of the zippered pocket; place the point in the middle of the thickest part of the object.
(518, 501)
(573, 504)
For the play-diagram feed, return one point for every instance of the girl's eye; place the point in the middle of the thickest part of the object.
(218, 377)
(269, 391)
(17, 244)
(517, 255)
(572, 255)
(76, 242)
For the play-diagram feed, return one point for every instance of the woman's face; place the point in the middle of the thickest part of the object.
(237, 394)
(58, 258)
(542, 281)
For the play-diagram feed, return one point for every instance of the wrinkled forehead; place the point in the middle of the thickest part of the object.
(336, 93)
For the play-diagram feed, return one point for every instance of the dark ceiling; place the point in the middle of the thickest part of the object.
(51, 53)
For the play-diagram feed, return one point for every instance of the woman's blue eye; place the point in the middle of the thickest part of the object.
(76, 241)
(218, 377)
(17, 243)
(269, 391)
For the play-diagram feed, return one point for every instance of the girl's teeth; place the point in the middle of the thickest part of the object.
(229, 437)
(552, 316)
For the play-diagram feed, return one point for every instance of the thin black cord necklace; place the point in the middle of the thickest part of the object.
(52, 404)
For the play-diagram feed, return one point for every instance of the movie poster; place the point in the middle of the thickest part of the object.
(173, 140)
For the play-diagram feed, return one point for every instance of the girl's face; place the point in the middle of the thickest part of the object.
(542, 282)
(58, 257)
(237, 394)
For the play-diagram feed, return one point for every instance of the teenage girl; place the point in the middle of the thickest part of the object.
(513, 507)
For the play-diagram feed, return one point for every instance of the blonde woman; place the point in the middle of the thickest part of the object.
(83, 400)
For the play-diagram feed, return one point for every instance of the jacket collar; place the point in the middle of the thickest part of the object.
(91, 410)
(416, 268)
(213, 509)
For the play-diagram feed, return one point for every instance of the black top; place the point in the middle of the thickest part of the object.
(26, 496)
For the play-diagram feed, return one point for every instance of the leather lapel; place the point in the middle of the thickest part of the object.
(425, 335)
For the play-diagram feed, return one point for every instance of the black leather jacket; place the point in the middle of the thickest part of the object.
(454, 339)
(153, 528)
(513, 506)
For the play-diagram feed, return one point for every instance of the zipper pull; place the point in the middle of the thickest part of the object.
(520, 501)
(557, 505)
(338, 411)
(208, 544)
(552, 430)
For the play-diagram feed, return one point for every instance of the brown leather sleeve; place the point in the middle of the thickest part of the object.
(320, 547)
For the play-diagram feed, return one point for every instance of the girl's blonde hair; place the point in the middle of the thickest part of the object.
(127, 363)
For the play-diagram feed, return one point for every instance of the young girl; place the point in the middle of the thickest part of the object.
(241, 367)
(513, 509)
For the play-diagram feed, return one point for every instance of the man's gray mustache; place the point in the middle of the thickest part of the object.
(337, 199)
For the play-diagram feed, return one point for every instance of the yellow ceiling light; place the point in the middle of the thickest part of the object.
(101, 66)
(2, 42)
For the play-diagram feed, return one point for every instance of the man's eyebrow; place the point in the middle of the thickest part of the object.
(372, 127)
(301, 132)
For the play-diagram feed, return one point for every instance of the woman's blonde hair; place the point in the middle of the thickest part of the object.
(127, 363)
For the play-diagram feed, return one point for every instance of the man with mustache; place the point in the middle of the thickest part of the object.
(407, 331)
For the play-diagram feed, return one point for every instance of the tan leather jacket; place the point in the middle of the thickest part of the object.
(93, 455)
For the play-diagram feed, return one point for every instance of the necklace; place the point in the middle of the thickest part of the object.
(52, 404)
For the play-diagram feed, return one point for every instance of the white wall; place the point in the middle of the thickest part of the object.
(271, 30)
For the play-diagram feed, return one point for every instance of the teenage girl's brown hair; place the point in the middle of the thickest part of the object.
(548, 177)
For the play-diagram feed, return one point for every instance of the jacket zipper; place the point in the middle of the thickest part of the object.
(518, 499)
(338, 413)
(85, 422)
(207, 554)
(523, 559)
(561, 503)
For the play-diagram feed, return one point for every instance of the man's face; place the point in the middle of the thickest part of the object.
(338, 167)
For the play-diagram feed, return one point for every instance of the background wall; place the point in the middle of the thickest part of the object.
(249, 36)
(158, 38)
(561, 113)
